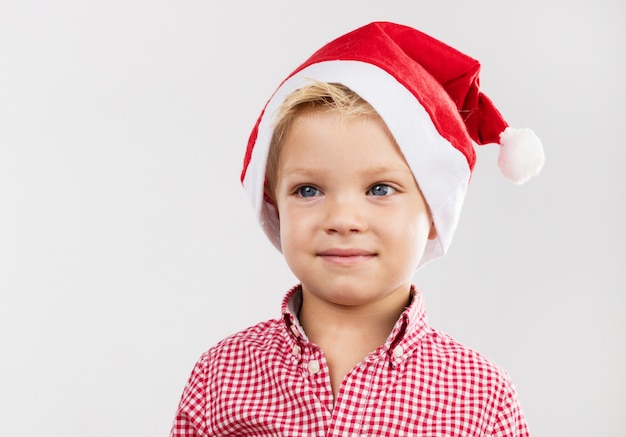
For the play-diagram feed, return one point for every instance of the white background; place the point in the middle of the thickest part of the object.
(126, 240)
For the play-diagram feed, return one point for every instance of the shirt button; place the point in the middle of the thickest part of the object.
(296, 350)
(295, 331)
(398, 351)
(313, 367)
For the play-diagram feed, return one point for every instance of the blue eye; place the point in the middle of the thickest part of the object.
(307, 191)
(381, 190)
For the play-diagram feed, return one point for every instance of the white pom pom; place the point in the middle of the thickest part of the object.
(521, 154)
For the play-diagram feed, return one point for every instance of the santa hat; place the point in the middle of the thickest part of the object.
(428, 95)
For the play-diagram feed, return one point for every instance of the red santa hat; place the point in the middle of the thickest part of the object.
(428, 95)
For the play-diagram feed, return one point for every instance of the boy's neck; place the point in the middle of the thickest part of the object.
(347, 334)
(369, 324)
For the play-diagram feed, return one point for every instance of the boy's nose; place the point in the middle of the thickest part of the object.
(345, 215)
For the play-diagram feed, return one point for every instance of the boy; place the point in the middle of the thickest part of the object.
(357, 168)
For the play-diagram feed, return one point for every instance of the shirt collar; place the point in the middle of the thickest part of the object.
(411, 327)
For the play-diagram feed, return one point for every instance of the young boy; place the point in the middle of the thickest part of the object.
(357, 168)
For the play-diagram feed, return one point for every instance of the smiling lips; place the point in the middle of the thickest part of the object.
(346, 257)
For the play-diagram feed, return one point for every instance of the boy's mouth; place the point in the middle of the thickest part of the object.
(346, 256)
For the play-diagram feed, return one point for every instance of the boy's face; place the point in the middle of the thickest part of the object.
(353, 222)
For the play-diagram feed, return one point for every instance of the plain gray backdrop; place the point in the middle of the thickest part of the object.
(128, 248)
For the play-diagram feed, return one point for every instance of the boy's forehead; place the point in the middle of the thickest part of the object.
(336, 118)
(318, 140)
(340, 115)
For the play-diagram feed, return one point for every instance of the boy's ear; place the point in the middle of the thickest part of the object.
(269, 198)
(433, 231)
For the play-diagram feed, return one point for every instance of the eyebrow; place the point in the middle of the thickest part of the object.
(307, 171)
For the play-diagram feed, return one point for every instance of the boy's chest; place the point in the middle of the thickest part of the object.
(374, 398)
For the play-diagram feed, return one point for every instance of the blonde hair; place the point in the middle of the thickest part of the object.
(316, 96)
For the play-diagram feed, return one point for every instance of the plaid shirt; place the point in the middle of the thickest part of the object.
(269, 380)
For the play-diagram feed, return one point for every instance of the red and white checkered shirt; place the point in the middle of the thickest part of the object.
(269, 380)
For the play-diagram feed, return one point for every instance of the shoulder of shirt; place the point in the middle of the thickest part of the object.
(457, 355)
(259, 337)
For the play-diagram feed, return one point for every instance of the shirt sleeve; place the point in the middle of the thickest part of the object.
(510, 420)
(190, 416)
